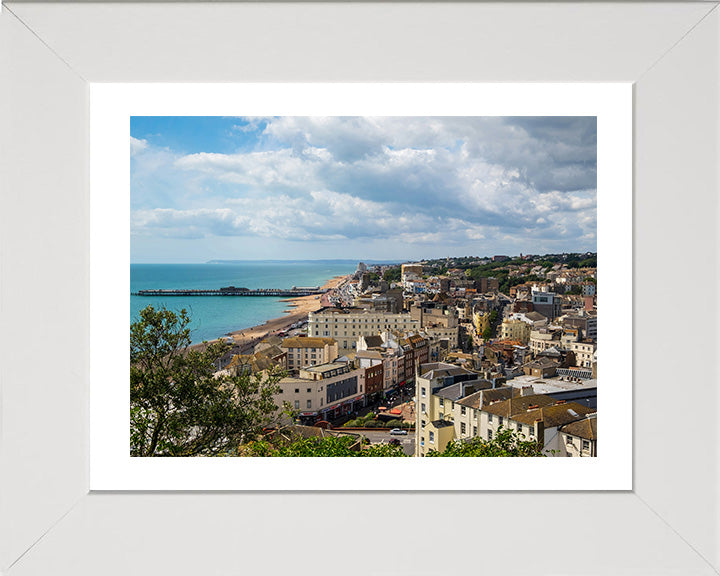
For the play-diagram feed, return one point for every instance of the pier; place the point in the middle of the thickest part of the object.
(293, 292)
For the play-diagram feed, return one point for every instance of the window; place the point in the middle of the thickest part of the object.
(568, 440)
(309, 404)
(422, 407)
(422, 423)
(489, 434)
(442, 401)
(474, 430)
(432, 437)
(297, 390)
(586, 445)
(462, 427)
(500, 420)
(423, 392)
(297, 404)
(321, 401)
(463, 410)
(490, 418)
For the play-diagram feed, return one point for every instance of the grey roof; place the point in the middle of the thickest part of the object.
(441, 423)
(462, 389)
(444, 372)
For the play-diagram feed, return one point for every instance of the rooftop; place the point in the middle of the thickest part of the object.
(585, 428)
(518, 405)
(485, 397)
(556, 415)
(306, 342)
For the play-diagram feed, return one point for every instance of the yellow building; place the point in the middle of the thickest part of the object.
(481, 322)
(515, 330)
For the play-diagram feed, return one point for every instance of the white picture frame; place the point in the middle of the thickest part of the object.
(668, 523)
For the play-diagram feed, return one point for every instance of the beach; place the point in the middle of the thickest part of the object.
(297, 310)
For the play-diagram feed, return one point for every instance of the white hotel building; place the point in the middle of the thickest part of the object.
(346, 324)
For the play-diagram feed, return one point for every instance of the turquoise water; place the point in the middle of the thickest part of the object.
(214, 316)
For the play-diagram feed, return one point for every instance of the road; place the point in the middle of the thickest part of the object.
(378, 436)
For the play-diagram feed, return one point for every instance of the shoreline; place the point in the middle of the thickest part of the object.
(297, 310)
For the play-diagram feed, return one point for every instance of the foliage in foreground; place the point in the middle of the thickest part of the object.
(506, 443)
(330, 446)
(177, 406)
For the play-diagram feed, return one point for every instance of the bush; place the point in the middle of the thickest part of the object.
(371, 424)
(393, 424)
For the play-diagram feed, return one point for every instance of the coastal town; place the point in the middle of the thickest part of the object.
(427, 354)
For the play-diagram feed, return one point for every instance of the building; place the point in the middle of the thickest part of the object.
(434, 433)
(547, 422)
(481, 322)
(322, 392)
(515, 329)
(584, 352)
(484, 285)
(346, 324)
(548, 304)
(579, 438)
(544, 339)
(432, 377)
(302, 351)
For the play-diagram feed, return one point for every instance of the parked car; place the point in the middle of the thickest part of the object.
(398, 432)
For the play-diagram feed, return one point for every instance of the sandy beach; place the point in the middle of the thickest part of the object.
(297, 310)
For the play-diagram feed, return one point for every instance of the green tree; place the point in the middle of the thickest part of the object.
(329, 446)
(392, 274)
(487, 333)
(177, 406)
(506, 443)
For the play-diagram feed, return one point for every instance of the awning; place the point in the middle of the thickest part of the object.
(308, 413)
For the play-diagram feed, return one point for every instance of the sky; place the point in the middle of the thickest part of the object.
(361, 188)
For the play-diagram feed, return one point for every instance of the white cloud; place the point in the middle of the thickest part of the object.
(137, 146)
(452, 181)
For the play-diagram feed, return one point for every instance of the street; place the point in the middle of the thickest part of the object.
(379, 436)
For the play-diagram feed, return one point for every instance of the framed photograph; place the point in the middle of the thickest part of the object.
(73, 497)
(331, 155)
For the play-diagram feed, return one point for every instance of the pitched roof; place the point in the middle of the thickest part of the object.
(517, 405)
(306, 342)
(443, 372)
(373, 341)
(486, 397)
(541, 362)
(585, 428)
(556, 415)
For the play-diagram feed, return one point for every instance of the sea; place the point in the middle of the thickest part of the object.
(215, 316)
